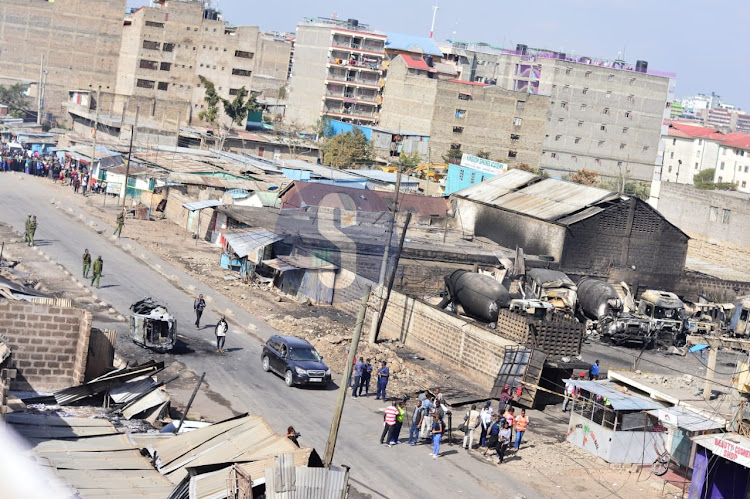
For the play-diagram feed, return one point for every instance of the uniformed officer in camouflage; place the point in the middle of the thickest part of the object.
(86, 263)
(98, 266)
(32, 230)
(26, 232)
(120, 223)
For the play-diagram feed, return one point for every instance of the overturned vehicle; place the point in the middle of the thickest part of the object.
(480, 296)
(152, 326)
(603, 311)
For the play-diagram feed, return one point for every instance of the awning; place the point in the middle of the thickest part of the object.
(243, 243)
(731, 446)
(285, 263)
(685, 419)
(199, 205)
(280, 265)
(620, 401)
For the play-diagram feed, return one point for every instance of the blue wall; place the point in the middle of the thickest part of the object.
(303, 175)
(461, 177)
(341, 127)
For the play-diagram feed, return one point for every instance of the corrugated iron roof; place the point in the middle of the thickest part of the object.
(320, 483)
(543, 198)
(131, 390)
(304, 194)
(243, 243)
(381, 176)
(319, 170)
(686, 419)
(218, 182)
(620, 401)
(199, 205)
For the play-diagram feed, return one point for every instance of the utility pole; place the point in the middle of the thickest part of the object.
(39, 92)
(372, 338)
(130, 152)
(434, 15)
(344, 385)
(393, 276)
(94, 133)
(429, 164)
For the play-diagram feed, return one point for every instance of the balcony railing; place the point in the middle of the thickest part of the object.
(357, 65)
(351, 80)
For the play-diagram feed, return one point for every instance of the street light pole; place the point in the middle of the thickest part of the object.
(130, 152)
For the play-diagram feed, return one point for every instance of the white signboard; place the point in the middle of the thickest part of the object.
(483, 165)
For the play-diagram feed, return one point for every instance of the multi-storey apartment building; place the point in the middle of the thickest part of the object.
(605, 116)
(733, 164)
(468, 116)
(688, 150)
(59, 46)
(336, 72)
(166, 48)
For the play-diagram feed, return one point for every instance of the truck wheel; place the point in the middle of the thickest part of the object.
(288, 379)
(266, 363)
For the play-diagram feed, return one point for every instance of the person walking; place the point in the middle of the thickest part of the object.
(569, 392)
(366, 376)
(383, 375)
(503, 441)
(120, 223)
(198, 305)
(76, 185)
(416, 422)
(389, 421)
(428, 407)
(98, 267)
(522, 422)
(437, 434)
(86, 263)
(485, 418)
(221, 334)
(359, 366)
(396, 433)
(26, 231)
(493, 434)
(472, 421)
(32, 230)
(85, 184)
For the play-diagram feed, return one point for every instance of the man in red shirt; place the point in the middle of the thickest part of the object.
(389, 421)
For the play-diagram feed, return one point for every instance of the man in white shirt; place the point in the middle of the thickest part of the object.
(472, 421)
(221, 334)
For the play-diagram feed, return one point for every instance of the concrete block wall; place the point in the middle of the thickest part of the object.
(49, 344)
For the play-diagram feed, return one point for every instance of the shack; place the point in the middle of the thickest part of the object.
(243, 250)
(722, 466)
(304, 276)
(612, 424)
(680, 427)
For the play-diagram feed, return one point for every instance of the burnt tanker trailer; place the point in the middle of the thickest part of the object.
(479, 295)
(598, 299)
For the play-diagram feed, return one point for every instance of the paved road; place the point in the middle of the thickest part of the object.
(401, 471)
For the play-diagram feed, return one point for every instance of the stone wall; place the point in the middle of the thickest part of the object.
(49, 344)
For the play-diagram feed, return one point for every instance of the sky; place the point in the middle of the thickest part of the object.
(703, 42)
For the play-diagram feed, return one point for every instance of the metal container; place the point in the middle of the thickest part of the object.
(598, 299)
(479, 295)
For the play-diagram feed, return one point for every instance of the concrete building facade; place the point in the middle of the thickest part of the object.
(336, 72)
(64, 45)
(166, 48)
(460, 115)
(605, 116)
(688, 150)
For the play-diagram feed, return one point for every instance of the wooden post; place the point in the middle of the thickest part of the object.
(712, 354)
(190, 402)
(392, 278)
(344, 385)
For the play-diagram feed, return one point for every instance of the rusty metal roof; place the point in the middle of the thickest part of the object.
(217, 182)
(543, 198)
(244, 242)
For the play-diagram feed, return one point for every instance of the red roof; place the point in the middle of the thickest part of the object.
(737, 139)
(303, 194)
(693, 131)
(417, 203)
(415, 62)
(475, 83)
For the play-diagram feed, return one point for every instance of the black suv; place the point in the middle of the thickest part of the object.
(296, 360)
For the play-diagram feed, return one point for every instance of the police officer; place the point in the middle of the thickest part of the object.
(32, 230)
(86, 263)
(98, 266)
(120, 223)
(26, 231)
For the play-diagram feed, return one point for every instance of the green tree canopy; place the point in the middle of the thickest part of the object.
(238, 108)
(14, 96)
(350, 149)
(453, 156)
(212, 98)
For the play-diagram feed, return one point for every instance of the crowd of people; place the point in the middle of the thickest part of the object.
(48, 165)
(495, 431)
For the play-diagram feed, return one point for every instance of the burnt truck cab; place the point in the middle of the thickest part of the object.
(152, 326)
(740, 323)
(552, 286)
(532, 308)
(666, 312)
(710, 318)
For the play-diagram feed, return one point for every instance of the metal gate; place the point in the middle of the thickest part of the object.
(520, 363)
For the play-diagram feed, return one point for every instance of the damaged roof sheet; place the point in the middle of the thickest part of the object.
(688, 420)
(543, 198)
(96, 466)
(620, 401)
(199, 205)
(243, 243)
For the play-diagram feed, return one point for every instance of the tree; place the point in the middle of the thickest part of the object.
(14, 96)
(585, 177)
(528, 168)
(212, 98)
(238, 108)
(348, 149)
(409, 161)
(453, 156)
(292, 135)
(483, 154)
(705, 180)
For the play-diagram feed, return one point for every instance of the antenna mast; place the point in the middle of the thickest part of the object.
(434, 14)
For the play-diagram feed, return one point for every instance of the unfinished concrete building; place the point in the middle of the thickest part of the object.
(167, 47)
(58, 46)
(336, 72)
(605, 116)
(472, 117)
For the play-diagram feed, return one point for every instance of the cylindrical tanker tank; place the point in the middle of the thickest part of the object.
(480, 295)
(598, 298)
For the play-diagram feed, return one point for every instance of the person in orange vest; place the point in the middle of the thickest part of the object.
(522, 422)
